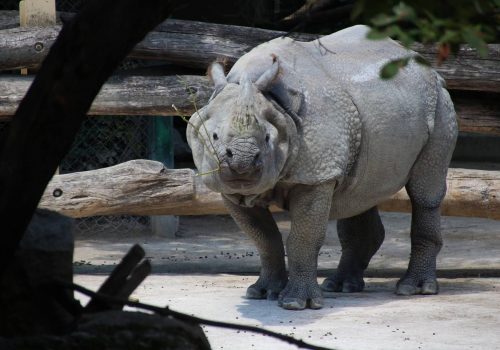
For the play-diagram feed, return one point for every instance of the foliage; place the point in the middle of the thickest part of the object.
(448, 23)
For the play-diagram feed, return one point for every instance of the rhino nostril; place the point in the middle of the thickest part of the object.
(229, 153)
(256, 158)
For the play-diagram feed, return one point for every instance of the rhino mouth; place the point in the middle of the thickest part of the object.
(237, 181)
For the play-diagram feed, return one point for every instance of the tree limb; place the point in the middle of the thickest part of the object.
(82, 58)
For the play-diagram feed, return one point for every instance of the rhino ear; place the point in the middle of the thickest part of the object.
(216, 74)
(267, 78)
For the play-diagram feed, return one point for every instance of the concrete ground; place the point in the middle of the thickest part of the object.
(206, 270)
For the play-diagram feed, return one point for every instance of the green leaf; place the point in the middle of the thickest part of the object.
(382, 20)
(375, 34)
(389, 70)
(449, 36)
(404, 12)
(472, 35)
(402, 36)
(421, 60)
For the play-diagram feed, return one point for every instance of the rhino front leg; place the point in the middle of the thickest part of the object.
(259, 224)
(360, 237)
(309, 212)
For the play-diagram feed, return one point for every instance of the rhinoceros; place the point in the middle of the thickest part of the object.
(312, 128)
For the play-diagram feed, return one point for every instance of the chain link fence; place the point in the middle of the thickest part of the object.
(103, 141)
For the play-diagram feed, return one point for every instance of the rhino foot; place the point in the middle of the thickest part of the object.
(299, 295)
(266, 288)
(346, 284)
(409, 286)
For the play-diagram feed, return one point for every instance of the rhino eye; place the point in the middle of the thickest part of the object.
(215, 136)
(267, 137)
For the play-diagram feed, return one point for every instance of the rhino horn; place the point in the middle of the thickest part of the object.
(244, 118)
(216, 74)
(267, 78)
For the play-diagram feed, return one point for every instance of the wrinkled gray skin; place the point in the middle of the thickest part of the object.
(311, 128)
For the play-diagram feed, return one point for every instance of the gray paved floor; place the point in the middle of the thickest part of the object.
(465, 315)
(213, 244)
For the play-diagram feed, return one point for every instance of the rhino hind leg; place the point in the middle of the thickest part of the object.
(360, 237)
(426, 242)
(259, 224)
(426, 188)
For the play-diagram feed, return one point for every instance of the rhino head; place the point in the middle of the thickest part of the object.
(241, 140)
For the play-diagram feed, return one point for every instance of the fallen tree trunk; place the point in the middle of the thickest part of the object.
(140, 95)
(197, 44)
(137, 187)
(144, 187)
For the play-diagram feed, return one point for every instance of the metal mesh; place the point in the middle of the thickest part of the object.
(101, 142)
(106, 140)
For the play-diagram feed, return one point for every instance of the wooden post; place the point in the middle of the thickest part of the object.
(161, 148)
(37, 13)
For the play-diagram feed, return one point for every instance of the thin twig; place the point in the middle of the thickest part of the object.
(203, 142)
(165, 311)
(213, 151)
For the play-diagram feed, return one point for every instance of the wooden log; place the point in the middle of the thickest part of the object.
(478, 112)
(474, 193)
(144, 187)
(9, 19)
(26, 46)
(196, 44)
(466, 70)
(158, 191)
(140, 95)
(133, 95)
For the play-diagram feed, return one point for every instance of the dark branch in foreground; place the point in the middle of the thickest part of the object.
(165, 311)
(82, 58)
(316, 12)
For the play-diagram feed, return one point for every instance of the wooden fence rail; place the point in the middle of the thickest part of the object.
(134, 95)
(155, 95)
(144, 187)
(196, 44)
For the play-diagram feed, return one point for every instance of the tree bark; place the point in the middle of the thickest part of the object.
(140, 95)
(197, 44)
(83, 57)
(144, 187)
